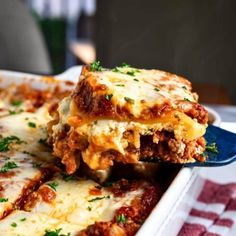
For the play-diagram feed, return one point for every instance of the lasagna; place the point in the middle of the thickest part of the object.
(128, 115)
(38, 197)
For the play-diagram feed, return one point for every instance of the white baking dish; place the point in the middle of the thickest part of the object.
(170, 212)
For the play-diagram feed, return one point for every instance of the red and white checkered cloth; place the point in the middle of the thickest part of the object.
(214, 212)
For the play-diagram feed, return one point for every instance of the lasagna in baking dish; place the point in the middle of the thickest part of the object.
(38, 197)
(126, 115)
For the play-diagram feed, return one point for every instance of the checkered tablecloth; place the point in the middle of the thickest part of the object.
(214, 212)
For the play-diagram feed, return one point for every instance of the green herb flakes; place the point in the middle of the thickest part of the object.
(23, 219)
(108, 97)
(186, 99)
(120, 85)
(55, 232)
(99, 198)
(43, 141)
(136, 80)
(53, 185)
(14, 224)
(96, 66)
(116, 70)
(156, 89)
(129, 100)
(124, 65)
(89, 208)
(15, 112)
(212, 148)
(16, 103)
(31, 124)
(5, 142)
(131, 73)
(121, 218)
(8, 166)
(67, 177)
(3, 199)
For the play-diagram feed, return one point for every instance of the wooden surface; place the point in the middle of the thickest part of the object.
(211, 94)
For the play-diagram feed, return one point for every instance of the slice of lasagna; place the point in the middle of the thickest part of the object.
(127, 115)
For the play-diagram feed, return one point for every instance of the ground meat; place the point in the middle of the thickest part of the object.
(176, 146)
(69, 148)
(123, 186)
(170, 149)
(194, 110)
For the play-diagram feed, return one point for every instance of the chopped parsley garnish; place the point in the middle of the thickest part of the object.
(156, 89)
(32, 124)
(121, 218)
(55, 232)
(89, 208)
(8, 166)
(108, 97)
(14, 224)
(23, 219)
(120, 85)
(67, 177)
(53, 185)
(116, 70)
(16, 103)
(129, 100)
(99, 198)
(96, 66)
(186, 99)
(212, 148)
(5, 142)
(184, 87)
(124, 65)
(3, 199)
(131, 73)
(204, 154)
(15, 112)
(136, 80)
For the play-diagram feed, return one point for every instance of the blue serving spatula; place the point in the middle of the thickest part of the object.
(226, 145)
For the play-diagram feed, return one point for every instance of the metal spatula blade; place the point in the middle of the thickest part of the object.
(226, 146)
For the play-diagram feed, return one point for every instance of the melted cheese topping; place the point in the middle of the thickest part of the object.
(26, 155)
(16, 180)
(21, 223)
(144, 88)
(19, 126)
(75, 204)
